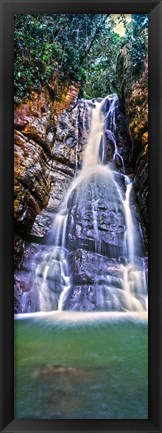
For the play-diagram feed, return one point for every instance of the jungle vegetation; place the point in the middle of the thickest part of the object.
(80, 48)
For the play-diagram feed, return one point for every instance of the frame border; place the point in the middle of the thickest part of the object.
(7, 9)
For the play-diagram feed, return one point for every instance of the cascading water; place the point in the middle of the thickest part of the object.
(77, 141)
(130, 231)
(110, 128)
(95, 218)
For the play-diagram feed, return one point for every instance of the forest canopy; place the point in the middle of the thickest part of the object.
(80, 48)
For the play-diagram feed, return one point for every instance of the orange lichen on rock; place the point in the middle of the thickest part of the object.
(66, 97)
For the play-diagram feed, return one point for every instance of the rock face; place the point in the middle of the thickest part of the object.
(133, 96)
(98, 213)
(72, 129)
(31, 183)
(36, 167)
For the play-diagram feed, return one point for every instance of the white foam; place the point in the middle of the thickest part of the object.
(84, 318)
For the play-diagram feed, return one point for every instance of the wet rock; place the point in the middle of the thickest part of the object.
(72, 134)
(116, 137)
(88, 267)
(18, 249)
(25, 299)
(100, 284)
(42, 224)
(93, 297)
(98, 212)
(40, 279)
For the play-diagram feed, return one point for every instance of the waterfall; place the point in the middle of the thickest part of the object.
(130, 231)
(91, 155)
(96, 222)
(110, 127)
(77, 140)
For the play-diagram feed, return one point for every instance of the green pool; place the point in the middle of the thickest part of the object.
(81, 366)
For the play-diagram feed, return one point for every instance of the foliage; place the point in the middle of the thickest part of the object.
(136, 42)
(48, 44)
(102, 59)
(101, 63)
(140, 22)
(74, 47)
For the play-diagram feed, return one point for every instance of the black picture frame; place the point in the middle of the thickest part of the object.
(154, 422)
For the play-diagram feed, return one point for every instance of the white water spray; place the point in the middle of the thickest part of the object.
(130, 230)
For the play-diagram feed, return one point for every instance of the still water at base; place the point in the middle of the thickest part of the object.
(81, 366)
